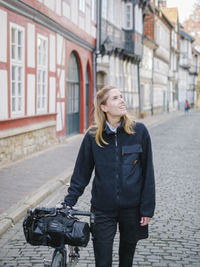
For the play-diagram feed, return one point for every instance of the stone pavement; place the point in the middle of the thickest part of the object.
(26, 183)
(174, 231)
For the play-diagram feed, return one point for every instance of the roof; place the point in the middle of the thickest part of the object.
(185, 35)
(171, 14)
(162, 15)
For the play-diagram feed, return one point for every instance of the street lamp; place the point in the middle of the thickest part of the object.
(107, 46)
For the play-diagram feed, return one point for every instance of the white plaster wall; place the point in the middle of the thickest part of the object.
(3, 35)
(52, 58)
(3, 94)
(60, 116)
(60, 50)
(30, 94)
(112, 71)
(52, 95)
(158, 96)
(147, 96)
(61, 81)
(31, 45)
(182, 85)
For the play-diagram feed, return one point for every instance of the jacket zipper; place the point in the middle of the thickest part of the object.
(117, 175)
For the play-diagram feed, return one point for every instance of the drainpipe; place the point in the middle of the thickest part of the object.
(139, 90)
(152, 84)
(96, 52)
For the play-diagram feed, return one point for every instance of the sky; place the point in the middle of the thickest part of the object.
(185, 7)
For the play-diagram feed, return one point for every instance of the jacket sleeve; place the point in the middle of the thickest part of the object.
(82, 172)
(147, 205)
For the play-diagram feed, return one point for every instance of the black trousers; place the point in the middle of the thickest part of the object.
(104, 232)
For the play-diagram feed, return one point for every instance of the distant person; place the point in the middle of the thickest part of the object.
(123, 191)
(187, 106)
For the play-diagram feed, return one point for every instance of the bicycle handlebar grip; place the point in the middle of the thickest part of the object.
(79, 212)
(45, 209)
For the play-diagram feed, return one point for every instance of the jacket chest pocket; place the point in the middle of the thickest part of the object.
(131, 162)
(130, 154)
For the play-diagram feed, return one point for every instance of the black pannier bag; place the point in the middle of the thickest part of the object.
(46, 227)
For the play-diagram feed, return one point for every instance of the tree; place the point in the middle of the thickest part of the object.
(197, 3)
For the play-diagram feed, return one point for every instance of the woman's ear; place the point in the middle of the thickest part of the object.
(103, 108)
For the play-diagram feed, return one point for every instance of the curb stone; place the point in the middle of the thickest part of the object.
(18, 210)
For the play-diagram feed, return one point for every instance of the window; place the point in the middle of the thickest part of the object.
(82, 5)
(128, 16)
(17, 69)
(42, 52)
(73, 95)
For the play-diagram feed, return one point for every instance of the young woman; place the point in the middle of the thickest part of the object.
(123, 191)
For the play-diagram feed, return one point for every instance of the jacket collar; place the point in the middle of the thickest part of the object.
(109, 131)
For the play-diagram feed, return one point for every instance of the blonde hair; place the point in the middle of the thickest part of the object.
(100, 116)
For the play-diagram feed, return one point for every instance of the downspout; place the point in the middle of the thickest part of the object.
(96, 52)
(152, 84)
(139, 89)
(138, 66)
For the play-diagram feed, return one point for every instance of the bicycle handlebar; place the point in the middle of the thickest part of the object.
(46, 209)
(67, 211)
(79, 212)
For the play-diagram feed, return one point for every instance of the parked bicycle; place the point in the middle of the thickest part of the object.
(58, 228)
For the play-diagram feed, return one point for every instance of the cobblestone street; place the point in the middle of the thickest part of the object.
(175, 229)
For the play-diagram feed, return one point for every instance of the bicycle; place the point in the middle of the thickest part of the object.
(61, 256)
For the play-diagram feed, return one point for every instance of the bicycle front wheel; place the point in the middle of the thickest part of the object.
(58, 260)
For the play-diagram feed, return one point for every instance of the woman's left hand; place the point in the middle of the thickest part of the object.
(144, 221)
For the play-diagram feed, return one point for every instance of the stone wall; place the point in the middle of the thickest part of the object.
(18, 143)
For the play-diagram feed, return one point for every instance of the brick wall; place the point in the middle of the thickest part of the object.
(149, 26)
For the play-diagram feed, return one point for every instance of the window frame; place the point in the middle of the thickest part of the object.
(42, 69)
(82, 5)
(17, 64)
(93, 10)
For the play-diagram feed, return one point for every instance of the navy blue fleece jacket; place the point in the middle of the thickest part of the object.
(124, 173)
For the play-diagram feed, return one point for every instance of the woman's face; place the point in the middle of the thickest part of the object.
(115, 105)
